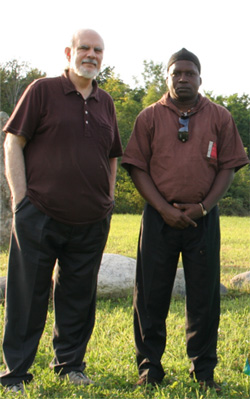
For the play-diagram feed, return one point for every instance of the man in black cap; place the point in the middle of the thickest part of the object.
(182, 156)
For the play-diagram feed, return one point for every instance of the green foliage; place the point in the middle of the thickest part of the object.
(127, 198)
(127, 110)
(237, 199)
(15, 76)
(105, 74)
(154, 94)
(127, 103)
(154, 76)
(232, 206)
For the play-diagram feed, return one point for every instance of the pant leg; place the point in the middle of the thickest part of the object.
(201, 260)
(28, 286)
(157, 260)
(75, 294)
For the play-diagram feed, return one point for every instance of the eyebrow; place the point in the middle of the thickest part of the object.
(185, 70)
(86, 46)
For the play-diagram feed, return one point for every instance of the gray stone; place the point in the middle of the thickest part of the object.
(116, 276)
(242, 279)
(223, 289)
(179, 288)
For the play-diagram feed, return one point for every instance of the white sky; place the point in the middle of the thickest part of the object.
(217, 31)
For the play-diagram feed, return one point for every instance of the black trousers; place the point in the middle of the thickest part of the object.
(37, 242)
(159, 249)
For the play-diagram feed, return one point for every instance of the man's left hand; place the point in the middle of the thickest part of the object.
(194, 211)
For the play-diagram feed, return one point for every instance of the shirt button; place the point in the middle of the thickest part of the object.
(86, 112)
(87, 122)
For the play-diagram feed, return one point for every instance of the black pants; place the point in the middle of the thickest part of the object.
(37, 242)
(158, 253)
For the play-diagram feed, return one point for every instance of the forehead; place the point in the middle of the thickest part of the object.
(89, 38)
(183, 66)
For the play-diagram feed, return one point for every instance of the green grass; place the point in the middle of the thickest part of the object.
(110, 354)
(124, 232)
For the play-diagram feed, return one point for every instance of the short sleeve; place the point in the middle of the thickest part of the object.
(231, 152)
(26, 116)
(138, 151)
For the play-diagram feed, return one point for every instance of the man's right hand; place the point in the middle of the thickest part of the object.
(176, 218)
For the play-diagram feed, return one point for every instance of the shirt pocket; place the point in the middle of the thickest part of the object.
(210, 152)
(105, 135)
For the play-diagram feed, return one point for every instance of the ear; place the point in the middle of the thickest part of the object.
(200, 81)
(67, 51)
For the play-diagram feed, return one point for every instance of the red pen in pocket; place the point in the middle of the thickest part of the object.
(212, 150)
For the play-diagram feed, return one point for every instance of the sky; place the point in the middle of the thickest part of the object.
(217, 31)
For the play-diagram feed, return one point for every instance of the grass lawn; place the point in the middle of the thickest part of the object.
(110, 355)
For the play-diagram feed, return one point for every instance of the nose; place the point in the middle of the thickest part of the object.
(183, 77)
(91, 53)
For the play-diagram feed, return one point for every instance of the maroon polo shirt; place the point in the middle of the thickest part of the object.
(184, 172)
(69, 143)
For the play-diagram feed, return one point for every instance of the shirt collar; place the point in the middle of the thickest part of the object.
(68, 86)
(166, 101)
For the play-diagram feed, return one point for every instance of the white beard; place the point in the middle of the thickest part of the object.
(85, 72)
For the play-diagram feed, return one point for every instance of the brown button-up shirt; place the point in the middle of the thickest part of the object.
(184, 172)
(69, 143)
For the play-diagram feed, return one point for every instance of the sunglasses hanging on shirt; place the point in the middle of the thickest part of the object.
(183, 131)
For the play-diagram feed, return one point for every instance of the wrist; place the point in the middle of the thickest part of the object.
(203, 209)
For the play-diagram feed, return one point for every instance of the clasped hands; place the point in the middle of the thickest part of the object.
(183, 215)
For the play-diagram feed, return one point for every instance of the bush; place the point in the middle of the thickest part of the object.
(127, 198)
(237, 199)
(232, 207)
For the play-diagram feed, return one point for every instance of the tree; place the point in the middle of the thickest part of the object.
(104, 75)
(15, 76)
(154, 82)
(154, 93)
(237, 201)
(127, 103)
(154, 74)
(240, 110)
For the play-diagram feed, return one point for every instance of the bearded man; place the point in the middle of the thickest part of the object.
(61, 152)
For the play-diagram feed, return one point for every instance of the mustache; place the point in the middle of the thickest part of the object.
(89, 61)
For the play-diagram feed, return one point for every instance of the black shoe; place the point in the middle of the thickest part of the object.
(146, 380)
(204, 385)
